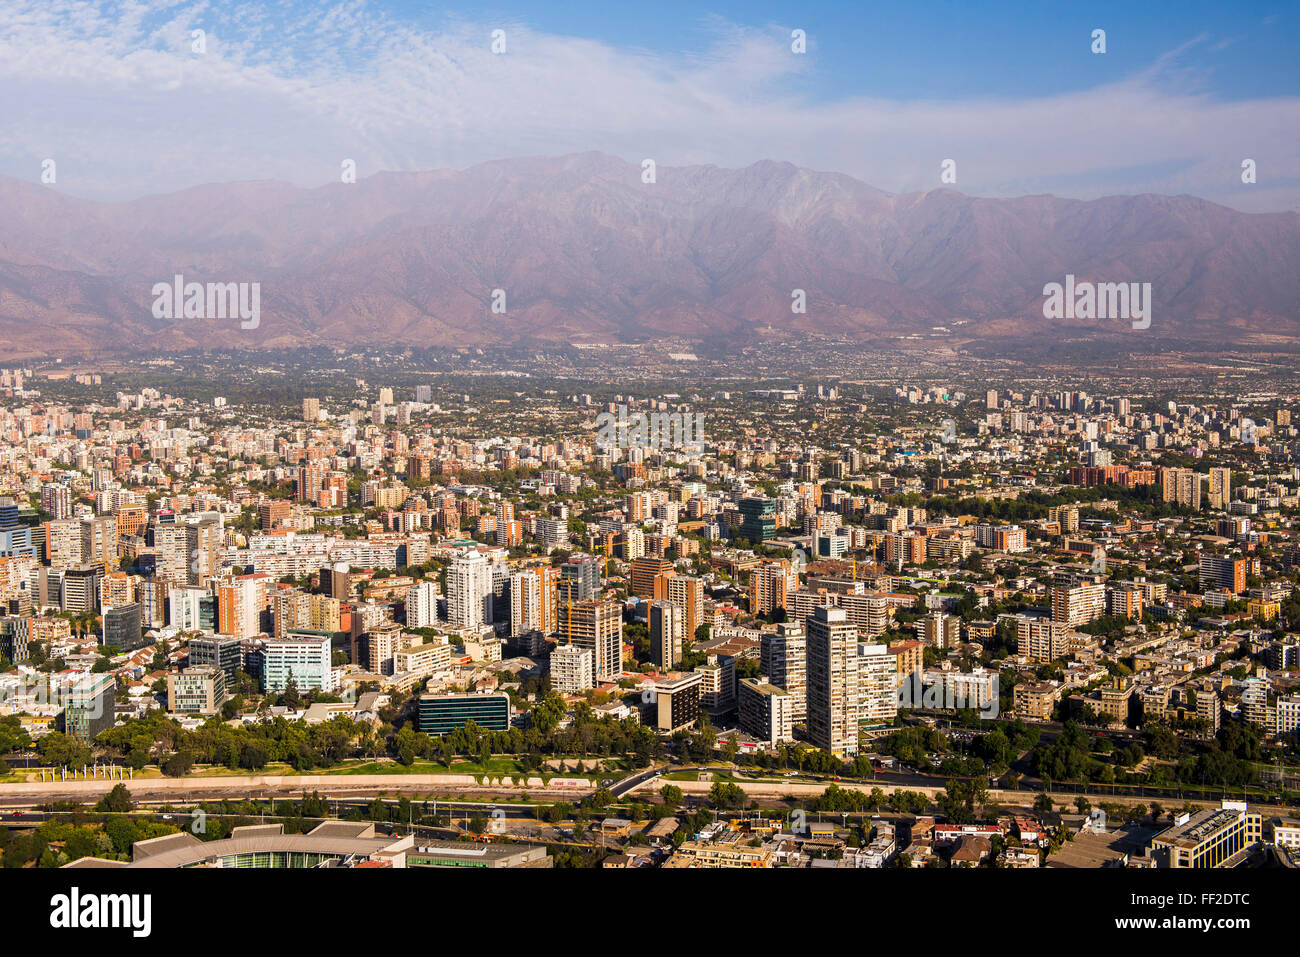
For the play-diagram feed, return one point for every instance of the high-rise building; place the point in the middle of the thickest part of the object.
(770, 586)
(63, 542)
(122, 629)
(239, 611)
(132, 519)
(171, 553)
(941, 630)
(1220, 487)
(877, 683)
(525, 602)
(552, 533)
(834, 701)
(677, 702)
(572, 669)
(380, 646)
(597, 625)
(1077, 603)
(1041, 639)
(1223, 572)
(202, 560)
(300, 657)
(15, 636)
(766, 711)
(469, 590)
(336, 579)
(687, 594)
(56, 500)
(152, 594)
(757, 519)
(99, 541)
(1180, 486)
(641, 579)
(666, 622)
(217, 651)
(581, 574)
(196, 690)
(869, 613)
(89, 702)
(46, 587)
(784, 659)
(15, 537)
(117, 588)
(718, 687)
(1067, 516)
(185, 608)
(270, 515)
(422, 605)
(81, 588)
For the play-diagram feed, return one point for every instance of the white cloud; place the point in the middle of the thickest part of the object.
(112, 92)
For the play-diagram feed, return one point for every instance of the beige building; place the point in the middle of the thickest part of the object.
(1035, 700)
(766, 711)
(834, 697)
(197, 690)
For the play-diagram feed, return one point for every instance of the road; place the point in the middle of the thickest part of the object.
(191, 789)
(634, 781)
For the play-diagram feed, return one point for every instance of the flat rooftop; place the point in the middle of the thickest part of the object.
(1092, 849)
(1199, 827)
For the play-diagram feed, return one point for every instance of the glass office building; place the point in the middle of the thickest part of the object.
(440, 713)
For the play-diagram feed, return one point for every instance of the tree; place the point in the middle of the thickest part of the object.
(671, 794)
(116, 801)
(729, 748)
(64, 750)
(178, 765)
(724, 795)
(13, 736)
(254, 756)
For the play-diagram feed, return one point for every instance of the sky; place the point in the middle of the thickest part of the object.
(120, 99)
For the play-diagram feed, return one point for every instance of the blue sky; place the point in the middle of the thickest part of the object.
(953, 49)
(113, 92)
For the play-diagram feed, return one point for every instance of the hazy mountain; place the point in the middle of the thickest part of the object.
(585, 251)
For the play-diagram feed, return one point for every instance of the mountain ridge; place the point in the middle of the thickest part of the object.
(585, 252)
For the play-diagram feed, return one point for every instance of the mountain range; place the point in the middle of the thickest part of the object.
(585, 251)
